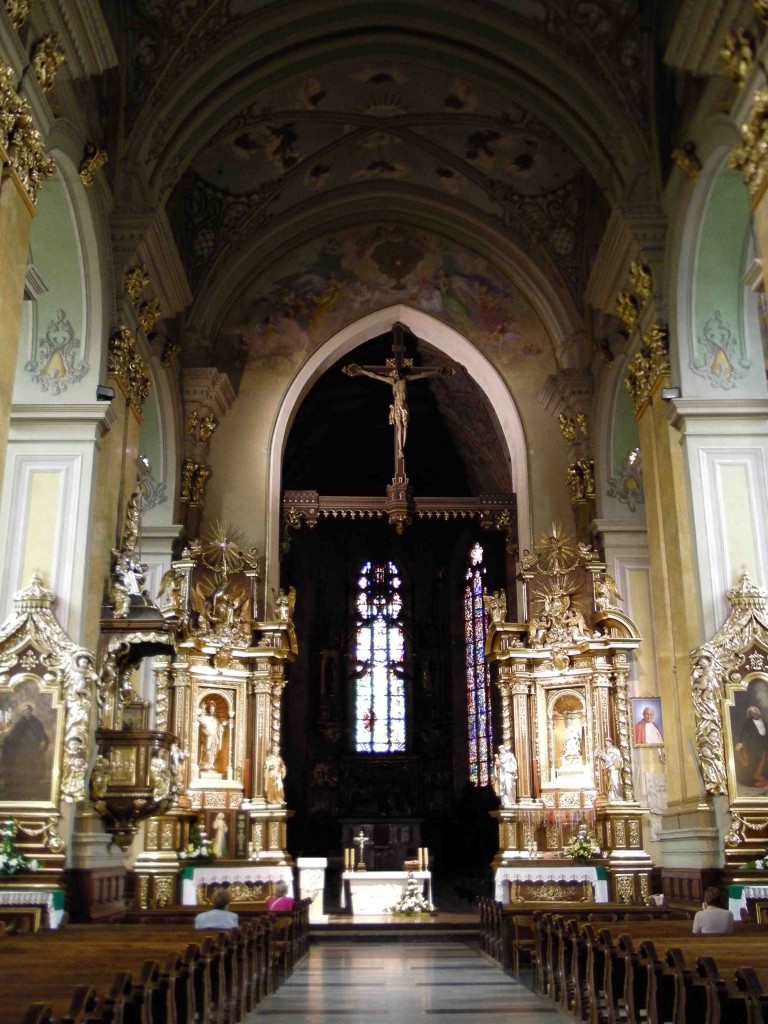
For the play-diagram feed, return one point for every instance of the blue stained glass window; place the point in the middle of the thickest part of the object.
(379, 653)
(479, 728)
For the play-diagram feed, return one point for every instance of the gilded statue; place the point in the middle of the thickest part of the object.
(738, 54)
(496, 605)
(606, 593)
(284, 603)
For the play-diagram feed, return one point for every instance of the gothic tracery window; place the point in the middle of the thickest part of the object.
(379, 650)
(479, 726)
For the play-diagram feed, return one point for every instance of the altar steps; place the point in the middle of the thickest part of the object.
(393, 928)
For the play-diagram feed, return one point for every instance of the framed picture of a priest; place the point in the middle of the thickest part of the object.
(647, 722)
(749, 739)
(28, 729)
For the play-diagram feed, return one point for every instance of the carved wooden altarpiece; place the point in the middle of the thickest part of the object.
(220, 695)
(563, 673)
(47, 692)
(729, 689)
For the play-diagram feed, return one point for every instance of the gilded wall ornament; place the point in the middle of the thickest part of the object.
(20, 139)
(738, 54)
(57, 365)
(647, 366)
(567, 427)
(626, 307)
(18, 10)
(91, 164)
(207, 426)
(128, 573)
(628, 486)
(640, 280)
(149, 314)
(170, 351)
(134, 282)
(749, 157)
(127, 365)
(47, 57)
(686, 159)
(761, 6)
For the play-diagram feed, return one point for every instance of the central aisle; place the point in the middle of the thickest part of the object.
(406, 982)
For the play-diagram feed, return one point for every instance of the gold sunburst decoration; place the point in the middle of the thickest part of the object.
(223, 550)
(556, 550)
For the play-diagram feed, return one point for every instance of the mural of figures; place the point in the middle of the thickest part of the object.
(27, 740)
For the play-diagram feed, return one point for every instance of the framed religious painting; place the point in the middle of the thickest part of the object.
(29, 742)
(647, 722)
(746, 737)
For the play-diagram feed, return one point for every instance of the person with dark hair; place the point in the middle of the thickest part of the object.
(712, 919)
(219, 916)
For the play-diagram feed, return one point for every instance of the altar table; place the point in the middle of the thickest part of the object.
(193, 877)
(374, 892)
(570, 872)
(51, 899)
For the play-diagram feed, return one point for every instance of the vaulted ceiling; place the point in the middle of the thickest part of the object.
(502, 131)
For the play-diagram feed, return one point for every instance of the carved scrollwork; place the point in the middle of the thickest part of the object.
(20, 139)
(127, 365)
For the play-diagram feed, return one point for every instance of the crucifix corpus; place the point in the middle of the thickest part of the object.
(360, 840)
(397, 372)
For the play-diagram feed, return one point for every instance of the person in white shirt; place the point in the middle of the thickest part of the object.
(219, 917)
(712, 919)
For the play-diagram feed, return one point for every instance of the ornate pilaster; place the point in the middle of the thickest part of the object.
(207, 395)
(622, 718)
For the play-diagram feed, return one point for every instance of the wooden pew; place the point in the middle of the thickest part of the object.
(178, 983)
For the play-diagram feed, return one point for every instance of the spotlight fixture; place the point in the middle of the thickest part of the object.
(669, 393)
(104, 393)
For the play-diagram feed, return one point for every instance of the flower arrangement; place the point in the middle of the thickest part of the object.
(412, 901)
(759, 864)
(200, 846)
(583, 847)
(12, 861)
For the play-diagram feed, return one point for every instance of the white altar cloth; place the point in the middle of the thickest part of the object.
(53, 901)
(192, 877)
(559, 873)
(374, 892)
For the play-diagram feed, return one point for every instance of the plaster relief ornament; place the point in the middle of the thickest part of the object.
(18, 10)
(640, 281)
(134, 282)
(57, 364)
(92, 162)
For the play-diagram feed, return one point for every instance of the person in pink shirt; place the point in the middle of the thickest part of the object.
(281, 900)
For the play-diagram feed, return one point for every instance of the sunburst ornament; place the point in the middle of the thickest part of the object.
(557, 551)
(223, 550)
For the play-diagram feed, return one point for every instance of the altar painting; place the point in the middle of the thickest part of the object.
(28, 741)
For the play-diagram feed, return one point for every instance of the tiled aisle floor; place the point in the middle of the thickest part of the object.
(403, 982)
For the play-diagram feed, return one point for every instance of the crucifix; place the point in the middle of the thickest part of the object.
(397, 372)
(360, 840)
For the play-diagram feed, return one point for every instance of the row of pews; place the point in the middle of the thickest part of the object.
(608, 964)
(149, 973)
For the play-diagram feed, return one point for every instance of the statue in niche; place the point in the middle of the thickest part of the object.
(606, 593)
(572, 753)
(211, 736)
(505, 776)
(284, 603)
(274, 773)
(496, 605)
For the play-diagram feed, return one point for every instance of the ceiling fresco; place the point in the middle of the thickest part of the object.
(329, 283)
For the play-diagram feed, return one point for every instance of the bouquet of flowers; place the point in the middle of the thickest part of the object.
(412, 901)
(199, 847)
(12, 861)
(583, 847)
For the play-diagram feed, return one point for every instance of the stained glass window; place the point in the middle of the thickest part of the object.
(479, 726)
(379, 649)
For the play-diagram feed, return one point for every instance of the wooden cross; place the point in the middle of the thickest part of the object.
(397, 372)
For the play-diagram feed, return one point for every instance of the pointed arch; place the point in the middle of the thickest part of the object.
(451, 344)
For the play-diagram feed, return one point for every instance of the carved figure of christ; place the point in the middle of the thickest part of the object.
(397, 373)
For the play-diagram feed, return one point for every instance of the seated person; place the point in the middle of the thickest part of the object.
(219, 916)
(281, 900)
(712, 919)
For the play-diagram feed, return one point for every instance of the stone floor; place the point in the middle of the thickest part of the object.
(403, 981)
